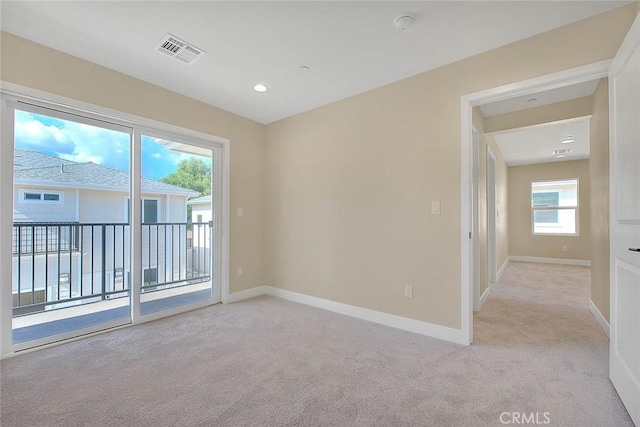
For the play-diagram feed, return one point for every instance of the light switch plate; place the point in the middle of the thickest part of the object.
(435, 208)
(408, 291)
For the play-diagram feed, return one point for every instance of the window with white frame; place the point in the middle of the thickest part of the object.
(41, 196)
(554, 207)
(150, 210)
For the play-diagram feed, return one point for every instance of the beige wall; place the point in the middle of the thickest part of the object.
(29, 64)
(599, 178)
(580, 107)
(349, 186)
(522, 242)
(346, 188)
(502, 223)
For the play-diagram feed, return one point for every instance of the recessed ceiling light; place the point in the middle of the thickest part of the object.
(260, 88)
(530, 100)
(568, 140)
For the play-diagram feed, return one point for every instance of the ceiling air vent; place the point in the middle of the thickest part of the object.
(179, 49)
(562, 152)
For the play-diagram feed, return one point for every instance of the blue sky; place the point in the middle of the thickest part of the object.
(84, 143)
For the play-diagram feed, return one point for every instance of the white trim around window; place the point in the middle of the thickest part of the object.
(45, 197)
(20, 97)
(564, 218)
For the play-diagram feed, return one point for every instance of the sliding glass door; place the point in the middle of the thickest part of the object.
(177, 224)
(70, 239)
(84, 257)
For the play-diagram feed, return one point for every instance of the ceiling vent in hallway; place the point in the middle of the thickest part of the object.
(179, 49)
(562, 152)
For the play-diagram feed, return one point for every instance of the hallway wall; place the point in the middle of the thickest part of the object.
(571, 109)
(348, 186)
(521, 240)
(502, 223)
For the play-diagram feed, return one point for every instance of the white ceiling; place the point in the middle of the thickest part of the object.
(536, 144)
(351, 47)
(539, 99)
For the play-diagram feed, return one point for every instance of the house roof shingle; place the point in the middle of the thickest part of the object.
(35, 167)
(200, 200)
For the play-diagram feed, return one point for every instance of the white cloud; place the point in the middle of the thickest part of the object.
(36, 133)
(71, 140)
(82, 158)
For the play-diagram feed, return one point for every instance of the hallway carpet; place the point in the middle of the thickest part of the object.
(271, 362)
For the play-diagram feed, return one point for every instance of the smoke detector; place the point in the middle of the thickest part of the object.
(403, 22)
(179, 49)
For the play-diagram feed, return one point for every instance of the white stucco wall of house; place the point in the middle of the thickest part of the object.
(44, 211)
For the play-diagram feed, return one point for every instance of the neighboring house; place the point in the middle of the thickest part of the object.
(74, 229)
(200, 209)
(202, 222)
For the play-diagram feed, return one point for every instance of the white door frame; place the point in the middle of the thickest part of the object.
(560, 79)
(475, 215)
(492, 256)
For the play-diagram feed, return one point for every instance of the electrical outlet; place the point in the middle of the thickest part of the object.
(435, 208)
(239, 271)
(240, 211)
(564, 248)
(408, 291)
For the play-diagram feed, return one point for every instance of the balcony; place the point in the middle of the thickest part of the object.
(69, 276)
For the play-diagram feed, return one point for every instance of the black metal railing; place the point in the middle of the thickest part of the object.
(41, 238)
(175, 253)
(57, 264)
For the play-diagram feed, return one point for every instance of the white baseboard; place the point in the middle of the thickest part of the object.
(599, 317)
(399, 322)
(504, 265)
(484, 297)
(579, 262)
(242, 295)
(411, 325)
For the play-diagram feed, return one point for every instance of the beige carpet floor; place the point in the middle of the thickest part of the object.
(270, 362)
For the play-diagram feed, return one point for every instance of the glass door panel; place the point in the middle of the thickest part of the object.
(177, 225)
(71, 238)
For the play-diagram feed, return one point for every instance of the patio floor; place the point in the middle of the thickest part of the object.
(54, 322)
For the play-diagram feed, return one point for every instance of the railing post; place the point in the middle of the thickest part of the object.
(104, 261)
(209, 255)
(19, 264)
(33, 264)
